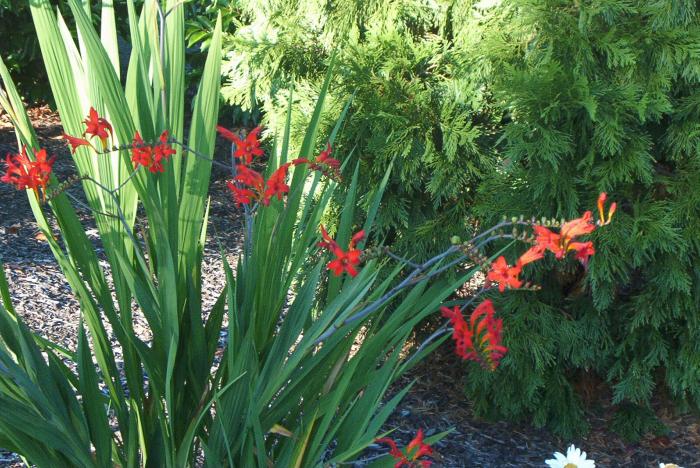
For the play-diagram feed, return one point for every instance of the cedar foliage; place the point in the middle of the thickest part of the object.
(599, 96)
(540, 104)
(414, 101)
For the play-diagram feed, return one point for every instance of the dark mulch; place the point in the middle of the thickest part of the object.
(435, 403)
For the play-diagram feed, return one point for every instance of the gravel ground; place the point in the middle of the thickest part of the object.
(44, 300)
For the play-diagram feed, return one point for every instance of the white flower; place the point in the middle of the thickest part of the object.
(669, 465)
(574, 458)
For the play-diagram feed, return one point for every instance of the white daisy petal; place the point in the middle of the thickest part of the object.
(574, 457)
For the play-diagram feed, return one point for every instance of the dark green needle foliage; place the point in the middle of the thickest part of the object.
(598, 96)
(415, 99)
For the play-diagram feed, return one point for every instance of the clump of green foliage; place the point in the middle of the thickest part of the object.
(413, 101)
(19, 47)
(598, 96)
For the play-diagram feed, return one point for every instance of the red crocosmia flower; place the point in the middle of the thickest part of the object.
(247, 147)
(149, 156)
(577, 227)
(241, 196)
(488, 332)
(559, 244)
(249, 177)
(161, 151)
(481, 339)
(461, 334)
(415, 449)
(254, 188)
(584, 250)
(75, 142)
(24, 173)
(141, 154)
(328, 166)
(344, 261)
(601, 209)
(97, 126)
(226, 133)
(533, 254)
(547, 240)
(393, 448)
(504, 275)
(276, 186)
(356, 238)
(327, 242)
(325, 158)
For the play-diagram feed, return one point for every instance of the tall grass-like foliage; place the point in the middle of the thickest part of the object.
(302, 377)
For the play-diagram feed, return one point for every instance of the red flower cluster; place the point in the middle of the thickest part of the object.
(149, 156)
(483, 334)
(324, 163)
(249, 186)
(560, 244)
(245, 148)
(344, 260)
(481, 339)
(414, 450)
(563, 242)
(24, 173)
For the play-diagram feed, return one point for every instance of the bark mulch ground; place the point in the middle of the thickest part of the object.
(435, 403)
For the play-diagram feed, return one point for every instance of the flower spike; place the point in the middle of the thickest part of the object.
(483, 328)
(24, 173)
(246, 148)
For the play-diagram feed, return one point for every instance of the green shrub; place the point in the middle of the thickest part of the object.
(598, 96)
(19, 49)
(415, 100)
(19, 46)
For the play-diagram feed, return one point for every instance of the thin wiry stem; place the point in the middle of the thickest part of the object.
(88, 207)
(400, 259)
(409, 280)
(412, 279)
(473, 298)
(126, 180)
(438, 333)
